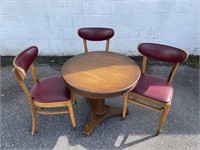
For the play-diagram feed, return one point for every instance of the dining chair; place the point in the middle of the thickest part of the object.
(96, 34)
(153, 91)
(46, 93)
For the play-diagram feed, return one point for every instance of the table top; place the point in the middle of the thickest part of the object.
(100, 74)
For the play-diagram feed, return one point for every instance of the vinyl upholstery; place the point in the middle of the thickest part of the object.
(96, 34)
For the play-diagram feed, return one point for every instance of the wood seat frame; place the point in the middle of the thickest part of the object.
(36, 106)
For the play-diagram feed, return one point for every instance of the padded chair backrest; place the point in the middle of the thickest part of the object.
(96, 34)
(163, 52)
(23, 61)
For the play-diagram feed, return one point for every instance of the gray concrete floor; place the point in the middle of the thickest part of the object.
(180, 132)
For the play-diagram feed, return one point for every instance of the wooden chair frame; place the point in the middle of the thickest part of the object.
(86, 47)
(35, 105)
(151, 103)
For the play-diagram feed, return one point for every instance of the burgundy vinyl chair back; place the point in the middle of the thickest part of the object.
(163, 52)
(96, 34)
(24, 60)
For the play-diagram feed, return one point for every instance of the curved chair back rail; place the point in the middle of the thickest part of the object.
(23, 61)
(163, 52)
(152, 91)
(50, 92)
(96, 34)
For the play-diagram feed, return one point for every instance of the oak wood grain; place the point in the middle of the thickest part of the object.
(101, 74)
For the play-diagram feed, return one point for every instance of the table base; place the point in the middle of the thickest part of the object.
(96, 119)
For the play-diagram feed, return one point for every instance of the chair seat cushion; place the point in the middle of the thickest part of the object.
(154, 87)
(50, 89)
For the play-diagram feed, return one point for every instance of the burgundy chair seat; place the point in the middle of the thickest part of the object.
(50, 89)
(154, 87)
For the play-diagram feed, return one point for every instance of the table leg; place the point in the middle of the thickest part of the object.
(99, 112)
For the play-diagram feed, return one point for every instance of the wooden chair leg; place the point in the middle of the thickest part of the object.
(163, 117)
(107, 45)
(34, 123)
(125, 105)
(71, 114)
(75, 98)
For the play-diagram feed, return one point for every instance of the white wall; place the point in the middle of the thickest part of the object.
(52, 24)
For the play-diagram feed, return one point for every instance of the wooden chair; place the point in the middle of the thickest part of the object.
(49, 92)
(152, 91)
(96, 34)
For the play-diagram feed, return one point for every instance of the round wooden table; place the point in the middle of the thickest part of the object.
(99, 75)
